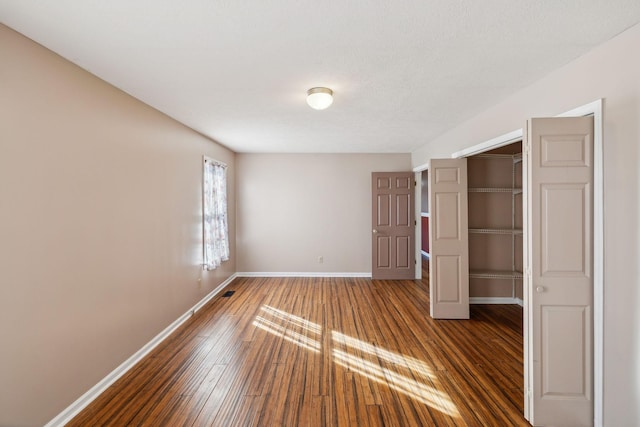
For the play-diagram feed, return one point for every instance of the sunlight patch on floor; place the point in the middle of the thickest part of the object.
(405, 374)
(411, 363)
(292, 319)
(413, 382)
(284, 325)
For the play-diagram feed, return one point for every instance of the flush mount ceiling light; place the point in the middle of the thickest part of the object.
(319, 98)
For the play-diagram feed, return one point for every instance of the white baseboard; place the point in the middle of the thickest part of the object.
(495, 300)
(300, 274)
(213, 293)
(72, 410)
(425, 254)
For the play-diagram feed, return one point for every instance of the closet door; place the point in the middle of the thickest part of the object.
(558, 266)
(449, 242)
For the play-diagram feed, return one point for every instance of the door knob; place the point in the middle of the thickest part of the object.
(540, 289)
(375, 231)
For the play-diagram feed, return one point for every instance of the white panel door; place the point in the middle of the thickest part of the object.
(558, 266)
(449, 241)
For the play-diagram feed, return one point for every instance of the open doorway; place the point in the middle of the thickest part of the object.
(494, 188)
(424, 223)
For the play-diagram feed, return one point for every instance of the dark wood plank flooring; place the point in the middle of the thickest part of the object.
(325, 352)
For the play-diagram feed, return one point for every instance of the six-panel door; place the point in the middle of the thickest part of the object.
(449, 257)
(393, 225)
(560, 284)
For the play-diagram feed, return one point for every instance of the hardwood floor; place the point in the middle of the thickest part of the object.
(325, 352)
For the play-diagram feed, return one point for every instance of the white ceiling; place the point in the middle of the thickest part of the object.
(403, 72)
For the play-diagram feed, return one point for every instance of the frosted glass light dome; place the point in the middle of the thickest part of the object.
(319, 98)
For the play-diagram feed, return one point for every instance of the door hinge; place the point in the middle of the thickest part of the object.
(415, 183)
(415, 262)
(415, 222)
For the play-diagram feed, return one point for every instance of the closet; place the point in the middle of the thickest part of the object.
(476, 231)
(488, 226)
(494, 193)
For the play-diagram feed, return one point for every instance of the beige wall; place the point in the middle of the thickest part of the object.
(100, 228)
(612, 71)
(100, 218)
(293, 209)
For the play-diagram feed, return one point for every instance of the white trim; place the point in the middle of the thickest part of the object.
(497, 142)
(421, 168)
(213, 293)
(527, 327)
(74, 409)
(495, 300)
(417, 232)
(418, 208)
(500, 141)
(299, 274)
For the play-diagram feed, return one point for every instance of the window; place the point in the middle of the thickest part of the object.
(216, 230)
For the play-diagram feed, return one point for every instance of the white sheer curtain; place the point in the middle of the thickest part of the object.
(216, 230)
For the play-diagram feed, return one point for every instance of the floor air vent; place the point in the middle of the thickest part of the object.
(228, 294)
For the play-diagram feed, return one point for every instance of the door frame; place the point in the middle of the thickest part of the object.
(418, 208)
(595, 109)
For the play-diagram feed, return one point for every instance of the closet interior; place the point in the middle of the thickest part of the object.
(495, 225)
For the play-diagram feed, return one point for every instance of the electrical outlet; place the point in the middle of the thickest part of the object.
(320, 259)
